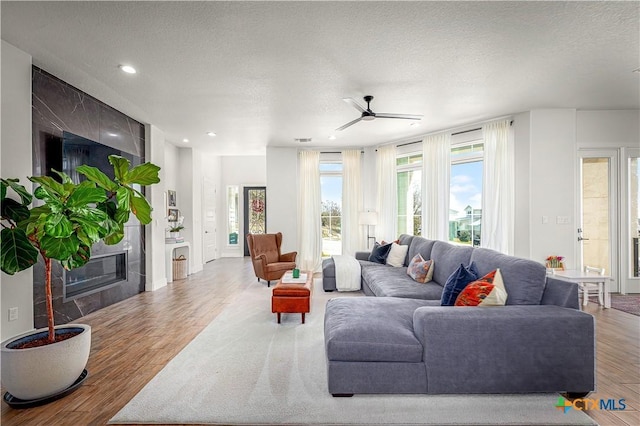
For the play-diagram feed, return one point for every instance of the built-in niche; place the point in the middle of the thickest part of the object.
(71, 128)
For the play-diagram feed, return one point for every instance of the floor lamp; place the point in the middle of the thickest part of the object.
(369, 219)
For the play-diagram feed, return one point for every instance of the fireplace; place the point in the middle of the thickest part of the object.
(101, 272)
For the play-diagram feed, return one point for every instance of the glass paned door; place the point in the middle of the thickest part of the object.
(255, 212)
(597, 239)
(630, 272)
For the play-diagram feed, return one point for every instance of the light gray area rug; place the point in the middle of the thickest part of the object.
(245, 369)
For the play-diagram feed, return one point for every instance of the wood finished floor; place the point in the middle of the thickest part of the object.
(134, 339)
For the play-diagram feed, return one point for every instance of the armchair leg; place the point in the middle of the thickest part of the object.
(268, 283)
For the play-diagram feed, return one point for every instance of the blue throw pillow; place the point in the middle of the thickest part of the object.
(379, 253)
(456, 282)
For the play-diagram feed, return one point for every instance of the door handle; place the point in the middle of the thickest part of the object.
(582, 239)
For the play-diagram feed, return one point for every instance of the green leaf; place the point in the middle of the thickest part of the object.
(78, 259)
(95, 175)
(58, 226)
(3, 191)
(14, 210)
(141, 208)
(109, 207)
(115, 236)
(89, 213)
(50, 183)
(16, 251)
(120, 167)
(51, 198)
(59, 248)
(93, 230)
(25, 196)
(65, 177)
(144, 174)
(122, 197)
(86, 193)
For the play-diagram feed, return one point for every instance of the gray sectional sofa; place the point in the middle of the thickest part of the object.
(403, 341)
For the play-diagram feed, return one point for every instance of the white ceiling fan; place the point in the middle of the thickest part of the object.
(369, 115)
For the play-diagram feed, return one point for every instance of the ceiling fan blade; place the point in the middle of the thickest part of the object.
(351, 123)
(404, 116)
(354, 104)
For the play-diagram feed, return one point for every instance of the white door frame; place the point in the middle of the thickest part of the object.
(627, 281)
(614, 210)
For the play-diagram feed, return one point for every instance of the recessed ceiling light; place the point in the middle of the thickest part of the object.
(113, 135)
(332, 137)
(185, 140)
(211, 134)
(128, 69)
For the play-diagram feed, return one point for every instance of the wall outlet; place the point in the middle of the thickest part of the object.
(13, 314)
(545, 219)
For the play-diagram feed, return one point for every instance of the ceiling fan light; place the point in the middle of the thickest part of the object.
(368, 117)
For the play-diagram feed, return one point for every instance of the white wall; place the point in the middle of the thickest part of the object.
(553, 184)
(608, 129)
(15, 153)
(282, 195)
(250, 170)
(155, 231)
(522, 211)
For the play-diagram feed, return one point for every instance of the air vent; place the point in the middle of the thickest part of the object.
(302, 140)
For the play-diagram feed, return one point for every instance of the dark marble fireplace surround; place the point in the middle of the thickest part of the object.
(59, 108)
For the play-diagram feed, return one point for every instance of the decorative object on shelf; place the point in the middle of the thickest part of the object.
(296, 273)
(555, 263)
(171, 198)
(180, 268)
(174, 221)
(70, 220)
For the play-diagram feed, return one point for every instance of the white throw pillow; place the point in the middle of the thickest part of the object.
(397, 254)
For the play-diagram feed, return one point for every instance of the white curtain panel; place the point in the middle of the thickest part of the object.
(309, 210)
(498, 196)
(436, 167)
(351, 201)
(387, 194)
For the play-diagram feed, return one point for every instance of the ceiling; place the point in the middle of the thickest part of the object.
(264, 73)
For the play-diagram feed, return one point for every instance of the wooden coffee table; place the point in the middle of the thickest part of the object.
(292, 298)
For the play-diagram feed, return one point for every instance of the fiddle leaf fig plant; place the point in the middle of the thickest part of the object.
(72, 218)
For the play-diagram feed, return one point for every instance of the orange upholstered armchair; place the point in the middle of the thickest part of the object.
(268, 263)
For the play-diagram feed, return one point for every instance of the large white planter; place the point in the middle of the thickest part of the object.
(40, 372)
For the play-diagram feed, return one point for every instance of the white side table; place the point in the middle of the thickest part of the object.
(577, 276)
(170, 253)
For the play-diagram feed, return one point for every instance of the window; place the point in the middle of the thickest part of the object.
(409, 184)
(331, 215)
(232, 206)
(465, 197)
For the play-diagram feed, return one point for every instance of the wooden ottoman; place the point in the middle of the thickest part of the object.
(292, 298)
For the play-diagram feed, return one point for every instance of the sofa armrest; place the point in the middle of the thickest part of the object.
(524, 348)
(362, 255)
(288, 257)
(560, 293)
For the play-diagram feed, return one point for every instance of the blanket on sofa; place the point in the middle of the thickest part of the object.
(347, 273)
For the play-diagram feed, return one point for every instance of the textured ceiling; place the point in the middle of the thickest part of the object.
(263, 73)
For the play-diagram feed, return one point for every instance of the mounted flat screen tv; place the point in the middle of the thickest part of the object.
(70, 151)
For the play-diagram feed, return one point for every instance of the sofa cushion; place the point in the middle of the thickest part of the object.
(371, 329)
(456, 282)
(406, 240)
(420, 270)
(447, 258)
(388, 281)
(396, 255)
(379, 253)
(524, 279)
(486, 291)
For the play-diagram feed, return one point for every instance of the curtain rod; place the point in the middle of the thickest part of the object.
(336, 152)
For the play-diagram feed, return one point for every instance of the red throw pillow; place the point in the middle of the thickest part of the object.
(487, 291)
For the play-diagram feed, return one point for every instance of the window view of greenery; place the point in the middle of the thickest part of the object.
(233, 225)
(409, 184)
(465, 198)
(331, 215)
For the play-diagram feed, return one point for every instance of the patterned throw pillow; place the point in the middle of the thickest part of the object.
(396, 255)
(420, 270)
(379, 253)
(487, 291)
(456, 282)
